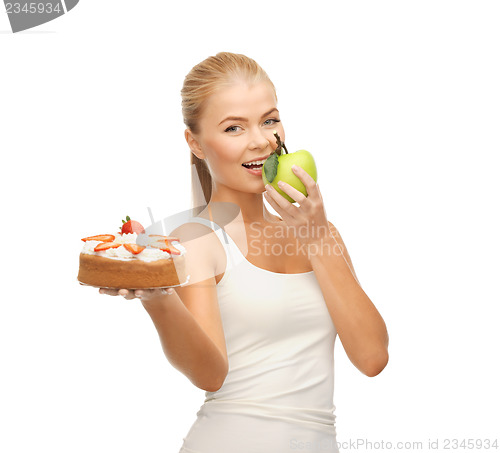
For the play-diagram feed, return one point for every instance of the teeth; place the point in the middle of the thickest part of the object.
(257, 162)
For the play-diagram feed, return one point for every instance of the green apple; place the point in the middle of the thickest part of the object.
(278, 167)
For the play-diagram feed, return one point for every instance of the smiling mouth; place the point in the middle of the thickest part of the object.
(253, 166)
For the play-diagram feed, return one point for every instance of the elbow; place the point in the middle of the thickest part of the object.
(214, 385)
(216, 380)
(376, 364)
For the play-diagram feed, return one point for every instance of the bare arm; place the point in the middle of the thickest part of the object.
(187, 346)
(360, 326)
(187, 319)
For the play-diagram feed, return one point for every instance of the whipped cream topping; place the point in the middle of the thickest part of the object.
(121, 253)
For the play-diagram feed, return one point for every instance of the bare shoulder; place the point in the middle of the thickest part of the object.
(342, 246)
(203, 249)
(191, 229)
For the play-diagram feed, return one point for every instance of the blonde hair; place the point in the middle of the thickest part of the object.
(204, 79)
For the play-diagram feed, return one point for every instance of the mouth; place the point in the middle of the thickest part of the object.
(255, 164)
(257, 170)
(255, 167)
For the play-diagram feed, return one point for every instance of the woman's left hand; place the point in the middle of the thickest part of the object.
(308, 221)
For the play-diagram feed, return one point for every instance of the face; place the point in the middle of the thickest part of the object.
(237, 127)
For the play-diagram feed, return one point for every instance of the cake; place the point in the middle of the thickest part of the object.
(132, 259)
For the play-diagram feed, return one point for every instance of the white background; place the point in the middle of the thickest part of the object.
(399, 103)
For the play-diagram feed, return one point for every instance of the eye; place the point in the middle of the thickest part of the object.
(232, 129)
(271, 121)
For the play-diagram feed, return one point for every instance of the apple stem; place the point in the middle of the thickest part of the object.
(281, 145)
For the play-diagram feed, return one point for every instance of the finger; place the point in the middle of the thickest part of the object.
(306, 179)
(108, 291)
(273, 203)
(286, 207)
(162, 292)
(131, 295)
(284, 215)
(127, 294)
(299, 197)
(146, 293)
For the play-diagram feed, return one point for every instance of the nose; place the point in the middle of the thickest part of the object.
(258, 140)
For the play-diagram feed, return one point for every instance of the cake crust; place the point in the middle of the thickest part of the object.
(131, 274)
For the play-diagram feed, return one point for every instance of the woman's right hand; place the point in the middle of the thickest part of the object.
(143, 294)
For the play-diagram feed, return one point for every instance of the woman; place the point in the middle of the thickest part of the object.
(268, 294)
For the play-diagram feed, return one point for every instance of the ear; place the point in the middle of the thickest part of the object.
(193, 144)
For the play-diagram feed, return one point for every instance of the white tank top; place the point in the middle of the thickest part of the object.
(278, 394)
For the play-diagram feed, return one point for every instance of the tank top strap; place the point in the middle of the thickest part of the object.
(233, 253)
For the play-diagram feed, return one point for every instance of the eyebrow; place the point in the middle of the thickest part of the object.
(239, 118)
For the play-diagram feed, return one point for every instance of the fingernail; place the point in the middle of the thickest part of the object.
(281, 183)
(294, 167)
